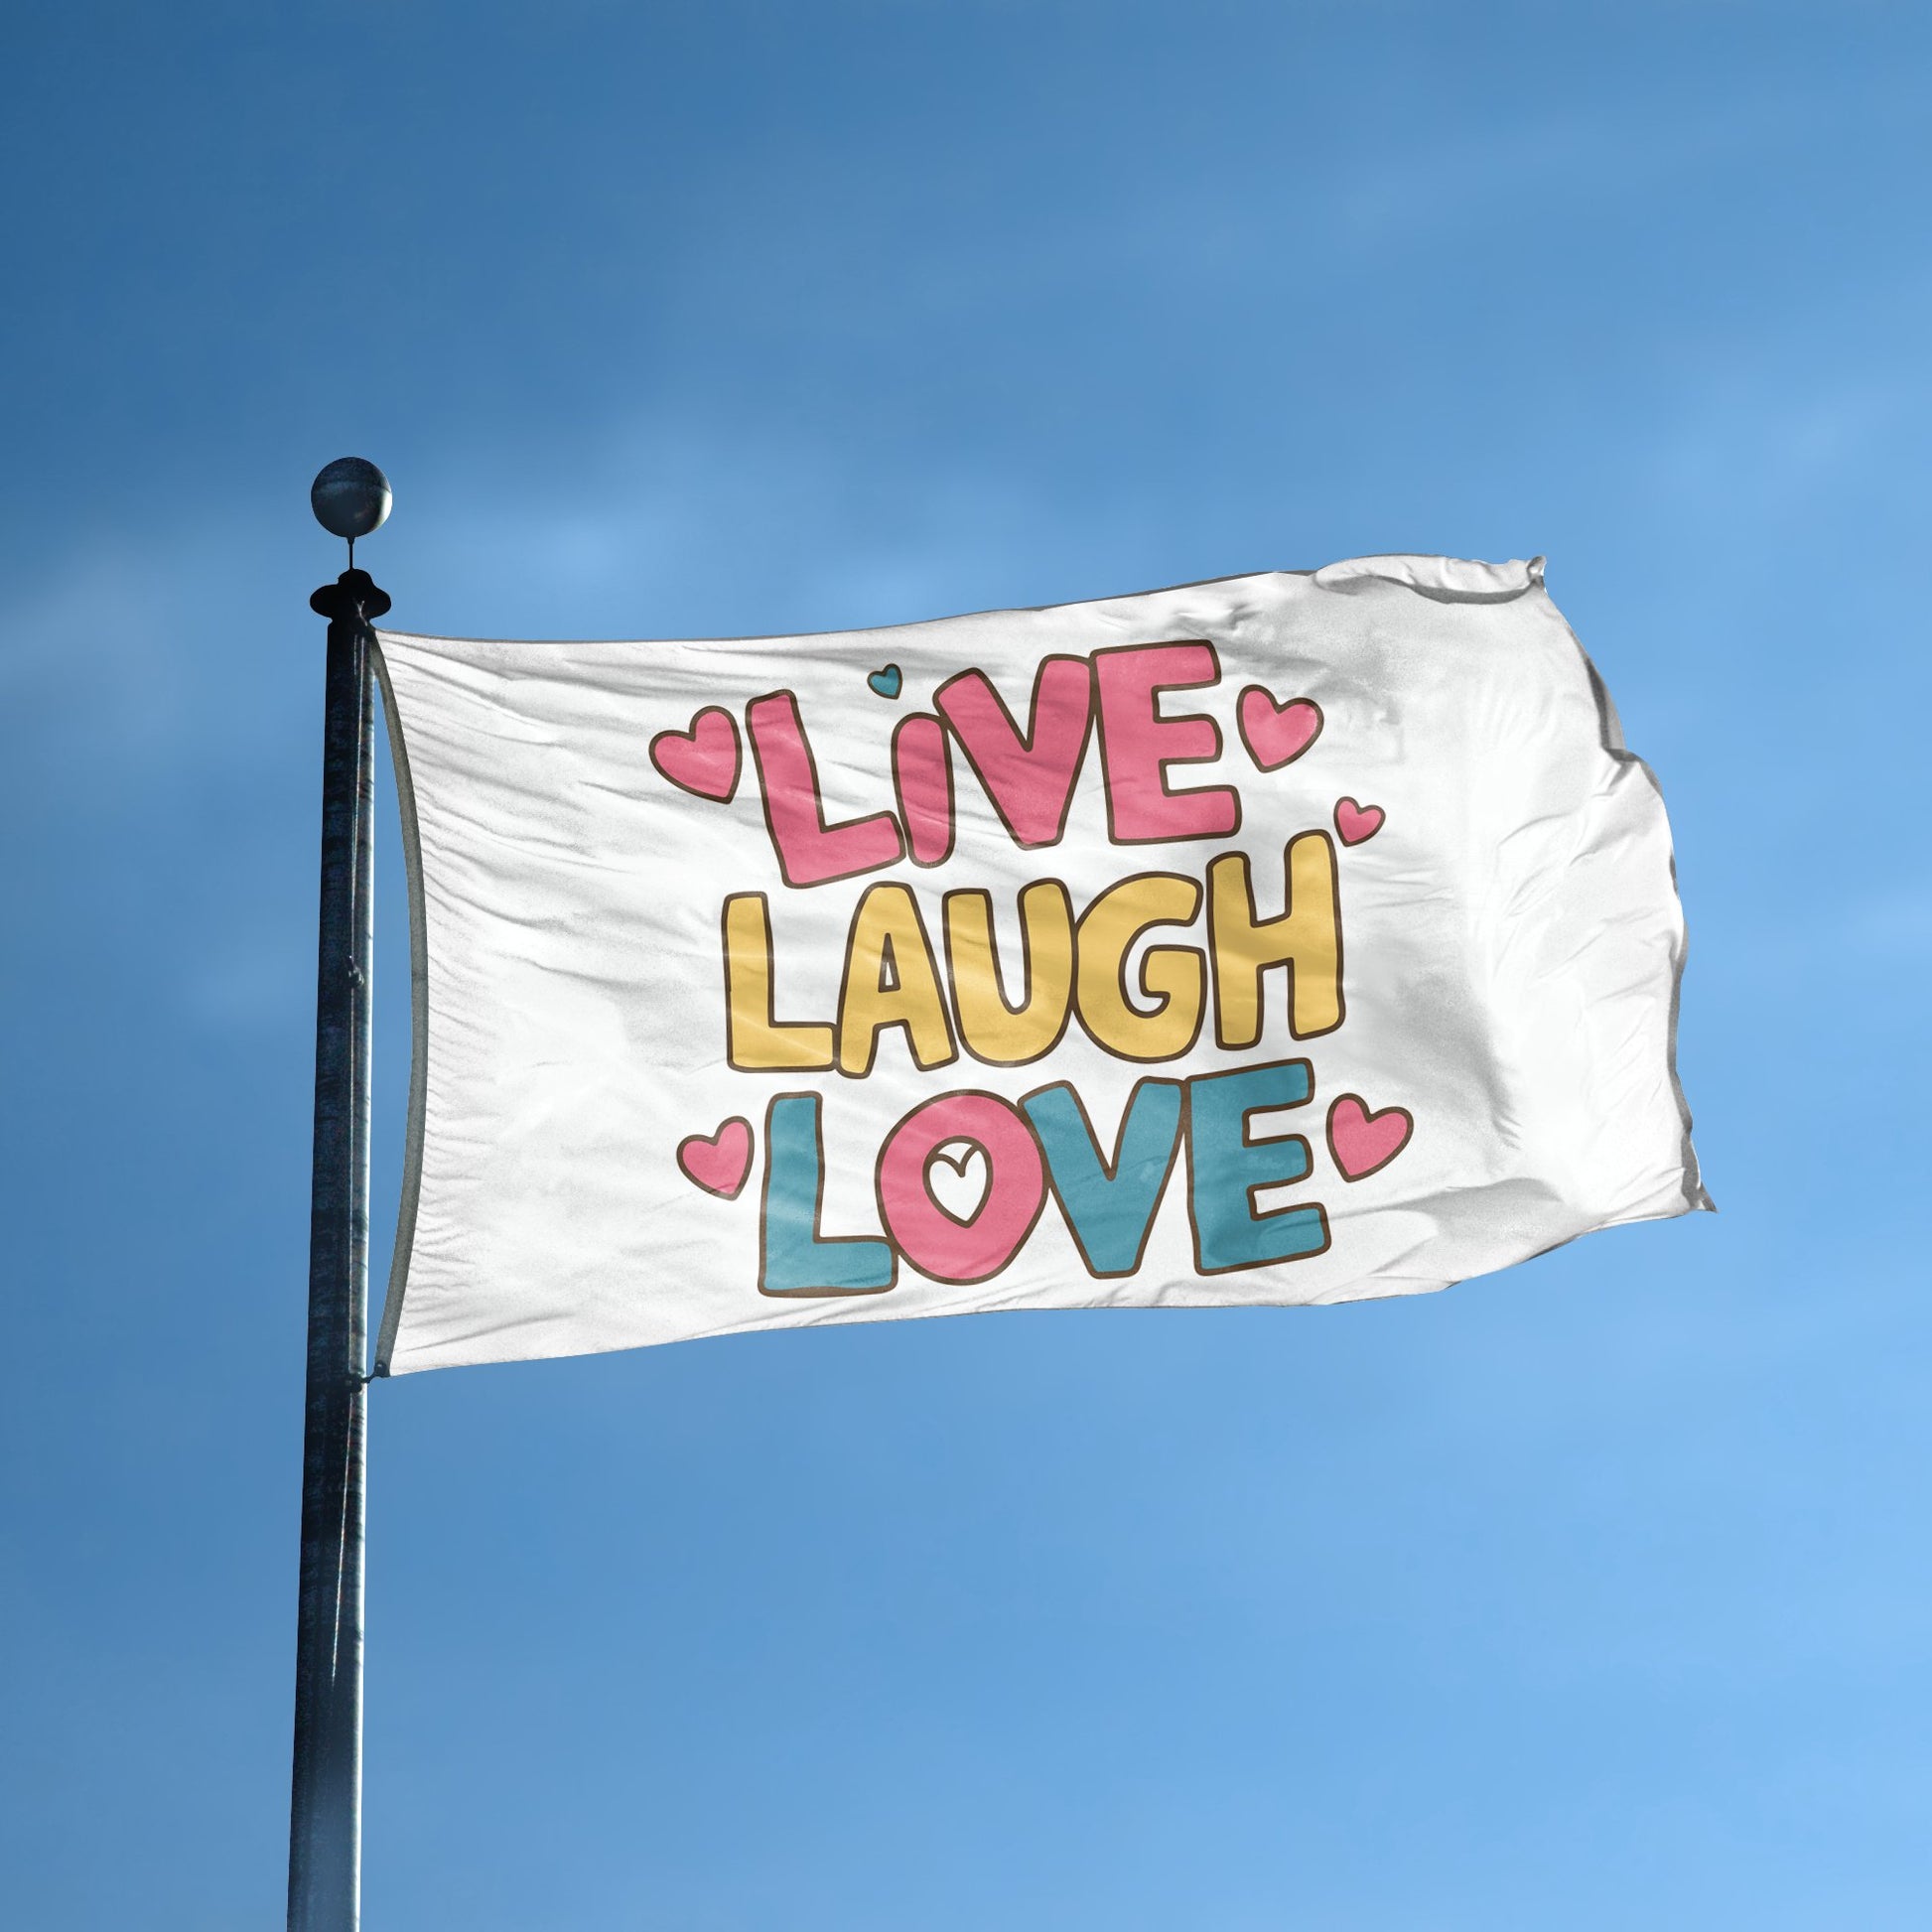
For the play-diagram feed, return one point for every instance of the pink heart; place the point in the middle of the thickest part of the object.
(1356, 822)
(1275, 732)
(719, 1161)
(1362, 1143)
(703, 759)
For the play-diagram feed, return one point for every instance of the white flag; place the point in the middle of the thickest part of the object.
(1291, 938)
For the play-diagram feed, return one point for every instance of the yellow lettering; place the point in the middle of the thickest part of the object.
(891, 980)
(993, 1031)
(1174, 976)
(1307, 939)
(753, 1040)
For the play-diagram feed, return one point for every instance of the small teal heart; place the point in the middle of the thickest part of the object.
(886, 682)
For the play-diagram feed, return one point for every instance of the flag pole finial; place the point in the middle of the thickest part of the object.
(351, 497)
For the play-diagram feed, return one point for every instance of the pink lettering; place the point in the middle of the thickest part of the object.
(810, 852)
(936, 1242)
(1030, 780)
(922, 775)
(1136, 746)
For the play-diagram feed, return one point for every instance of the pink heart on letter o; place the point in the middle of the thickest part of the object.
(1362, 1143)
(1356, 822)
(1275, 732)
(719, 1161)
(703, 759)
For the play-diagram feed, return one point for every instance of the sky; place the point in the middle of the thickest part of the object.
(1591, 1594)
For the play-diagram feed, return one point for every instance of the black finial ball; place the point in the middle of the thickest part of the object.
(351, 497)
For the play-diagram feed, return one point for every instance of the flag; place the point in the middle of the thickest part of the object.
(1291, 938)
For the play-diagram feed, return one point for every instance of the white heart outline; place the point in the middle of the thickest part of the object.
(963, 1176)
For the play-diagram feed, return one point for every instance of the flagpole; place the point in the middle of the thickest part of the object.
(350, 498)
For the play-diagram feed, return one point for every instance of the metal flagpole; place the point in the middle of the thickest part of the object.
(350, 498)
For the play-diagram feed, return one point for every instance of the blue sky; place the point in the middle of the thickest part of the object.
(1593, 1595)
